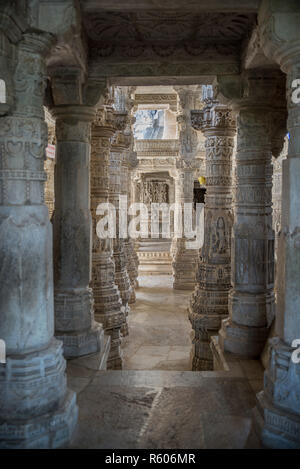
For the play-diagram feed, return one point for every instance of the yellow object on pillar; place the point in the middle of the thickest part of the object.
(202, 180)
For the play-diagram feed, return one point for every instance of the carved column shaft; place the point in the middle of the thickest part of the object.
(209, 303)
(74, 313)
(36, 409)
(251, 300)
(277, 414)
(184, 261)
(128, 162)
(107, 298)
(119, 145)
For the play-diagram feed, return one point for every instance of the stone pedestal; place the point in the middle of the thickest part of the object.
(209, 302)
(73, 298)
(36, 408)
(108, 304)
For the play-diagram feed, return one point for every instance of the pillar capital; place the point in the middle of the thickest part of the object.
(103, 125)
(279, 32)
(12, 24)
(36, 42)
(70, 87)
(255, 88)
(213, 118)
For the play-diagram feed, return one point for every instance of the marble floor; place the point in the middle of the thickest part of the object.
(162, 409)
(154, 402)
(159, 329)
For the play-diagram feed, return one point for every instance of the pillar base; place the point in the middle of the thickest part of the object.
(115, 363)
(77, 344)
(125, 328)
(37, 410)
(181, 284)
(132, 298)
(201, 364)
(50, 431)
(184, 267)
(276, 428)
(247, 342)
(201, 355)
(204, 327)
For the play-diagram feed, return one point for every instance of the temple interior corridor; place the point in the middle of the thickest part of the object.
(149, 224)
(160, 331)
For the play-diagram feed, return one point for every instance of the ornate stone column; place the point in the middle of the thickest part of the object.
(36, 409)
(50, 164)
(278, 411)
(73, 298)
(129, 161)
(184, 262)
(209, 302)
(251, 300)
(119, 145)
(133, 274)
(108, 304)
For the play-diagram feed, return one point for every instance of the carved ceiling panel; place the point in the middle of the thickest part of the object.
(148, 34)
(170, 42)
(169, 26)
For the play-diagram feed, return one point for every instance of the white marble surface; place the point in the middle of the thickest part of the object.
(159, 329)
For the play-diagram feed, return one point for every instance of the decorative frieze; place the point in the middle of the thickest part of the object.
(156, 148)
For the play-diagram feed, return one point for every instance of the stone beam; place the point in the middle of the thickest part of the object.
(242, 6)
(161, 80)
(161, 68)
(253, 54)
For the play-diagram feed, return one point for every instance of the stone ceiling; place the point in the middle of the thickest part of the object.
(161, 33)
(165, 38)
(171, 27)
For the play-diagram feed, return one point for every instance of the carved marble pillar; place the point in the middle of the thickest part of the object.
(108, 304)
(278, 410)
(129, 161)
(36, 408)
(184, 262)
(133, 163)
(50, 165)
(251, 300)
(118, 147)
(72, 224)
(209, 302)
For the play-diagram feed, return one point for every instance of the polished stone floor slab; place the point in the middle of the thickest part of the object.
(155, 401)
(162, 409)
(159, 329)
